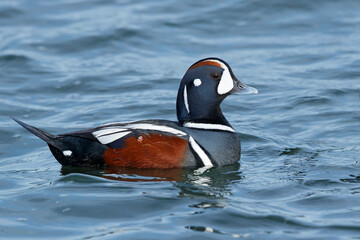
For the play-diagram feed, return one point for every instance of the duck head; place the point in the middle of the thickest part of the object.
(204, 86)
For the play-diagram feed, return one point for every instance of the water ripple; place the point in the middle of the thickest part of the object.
(75, 64)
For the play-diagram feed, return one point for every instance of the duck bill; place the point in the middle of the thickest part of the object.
(241, 88)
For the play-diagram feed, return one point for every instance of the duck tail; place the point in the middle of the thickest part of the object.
(45, 136)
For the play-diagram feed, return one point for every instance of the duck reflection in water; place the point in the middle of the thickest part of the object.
(219, 177)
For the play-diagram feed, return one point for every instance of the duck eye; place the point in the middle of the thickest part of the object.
(215, 76)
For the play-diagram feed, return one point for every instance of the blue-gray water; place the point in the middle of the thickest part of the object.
(67, 65)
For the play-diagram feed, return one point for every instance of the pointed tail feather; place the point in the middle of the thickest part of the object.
(47, 137)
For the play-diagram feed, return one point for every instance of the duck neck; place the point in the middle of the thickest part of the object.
(199, 112)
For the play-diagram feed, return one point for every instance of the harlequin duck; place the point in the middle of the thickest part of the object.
(201, 137)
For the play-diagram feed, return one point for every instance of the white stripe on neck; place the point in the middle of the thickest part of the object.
(186, 100)
(209, 126)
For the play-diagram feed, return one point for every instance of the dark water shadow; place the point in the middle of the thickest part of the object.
(129, 175)
(351, 179)
(187, 180)
(207, 185)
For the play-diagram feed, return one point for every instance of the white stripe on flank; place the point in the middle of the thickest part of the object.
(209, 126)
(204, 158)
(112, 134)
(106, 139)
(108, 131)
(120, 123)
(160, 128)
(186, 100)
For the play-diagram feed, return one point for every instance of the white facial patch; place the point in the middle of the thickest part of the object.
(197, 82)
(226, 83)
(186, 100)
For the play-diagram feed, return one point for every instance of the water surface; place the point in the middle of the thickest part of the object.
(77, 64)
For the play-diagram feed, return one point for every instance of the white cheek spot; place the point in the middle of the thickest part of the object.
(186, 100)
(140, 139)
(67, 153)
(197, 82)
